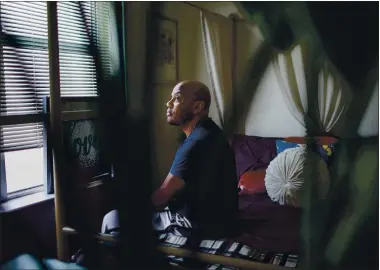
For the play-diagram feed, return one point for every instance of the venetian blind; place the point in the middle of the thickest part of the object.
(24, 61)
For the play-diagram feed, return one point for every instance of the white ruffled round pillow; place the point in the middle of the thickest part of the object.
(284, 177)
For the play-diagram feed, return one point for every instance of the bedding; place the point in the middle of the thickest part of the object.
(269, 234)
(267, 225)
(229, 248)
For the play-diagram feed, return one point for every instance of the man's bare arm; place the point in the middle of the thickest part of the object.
(169, 187)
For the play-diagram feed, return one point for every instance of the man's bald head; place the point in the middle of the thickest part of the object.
(189, 100)
(196, 89)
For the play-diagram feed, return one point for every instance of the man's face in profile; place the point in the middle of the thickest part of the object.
(179, 107)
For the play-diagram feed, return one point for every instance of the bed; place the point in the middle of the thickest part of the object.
(268, 235)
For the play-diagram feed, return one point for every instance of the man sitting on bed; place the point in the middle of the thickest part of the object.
(200, 190)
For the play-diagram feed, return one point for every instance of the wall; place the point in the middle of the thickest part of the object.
(28, 230)
(191, 66)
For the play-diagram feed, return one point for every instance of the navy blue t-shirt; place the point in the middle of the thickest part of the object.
(206, 162)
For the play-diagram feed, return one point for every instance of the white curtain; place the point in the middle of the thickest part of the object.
(218, 45)
(289, 70)
(333, 99)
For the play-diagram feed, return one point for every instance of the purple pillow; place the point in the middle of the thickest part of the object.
(252, 153)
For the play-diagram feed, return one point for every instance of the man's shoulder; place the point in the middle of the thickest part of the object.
(207, 140)
(205, 129)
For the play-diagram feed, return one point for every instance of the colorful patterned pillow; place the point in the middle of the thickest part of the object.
(282, 145)
(325, 151)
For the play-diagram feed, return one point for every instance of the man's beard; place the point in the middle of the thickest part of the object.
(184, 119)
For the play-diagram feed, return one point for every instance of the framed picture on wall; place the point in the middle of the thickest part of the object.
(166, 62)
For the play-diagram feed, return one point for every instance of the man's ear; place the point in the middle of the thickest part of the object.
(199, 106)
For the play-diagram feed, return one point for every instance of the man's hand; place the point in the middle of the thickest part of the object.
(168, 189)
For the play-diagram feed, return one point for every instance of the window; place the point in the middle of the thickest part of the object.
(31, 174)
(24, 70)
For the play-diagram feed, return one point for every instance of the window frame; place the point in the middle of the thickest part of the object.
(47, 185)
(11, 120)
(3, 184)
(18, 119)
